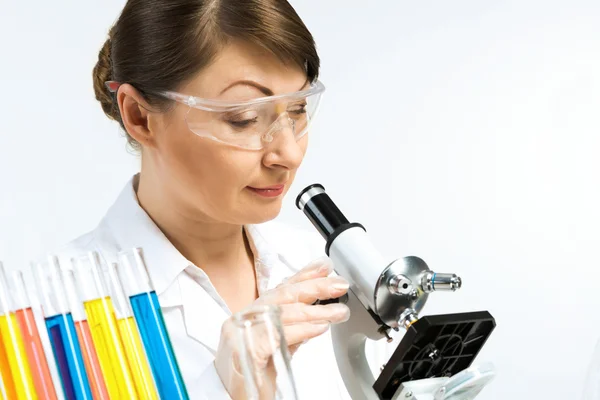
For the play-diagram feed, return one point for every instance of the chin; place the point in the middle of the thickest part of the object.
(263, 214)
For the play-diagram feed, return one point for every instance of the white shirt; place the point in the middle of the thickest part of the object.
(192, 308)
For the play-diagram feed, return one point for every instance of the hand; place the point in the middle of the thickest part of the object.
(301, 321)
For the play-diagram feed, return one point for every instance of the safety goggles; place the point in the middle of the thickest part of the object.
(249, 124)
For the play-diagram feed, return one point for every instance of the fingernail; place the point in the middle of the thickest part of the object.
(342, 311)
(340, 284)
(340, 308)
(345, 317)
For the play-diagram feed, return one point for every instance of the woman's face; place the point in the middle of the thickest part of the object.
(212, 181)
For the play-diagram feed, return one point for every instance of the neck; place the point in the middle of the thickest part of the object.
(216, 247)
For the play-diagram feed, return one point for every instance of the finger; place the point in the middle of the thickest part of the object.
(300, 312)
(300, 333)
(319, 268)
(307, 291)
(294, 348)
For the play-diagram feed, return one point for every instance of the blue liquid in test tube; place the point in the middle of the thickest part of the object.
(62, 333)
(151, 325)
(65, 347)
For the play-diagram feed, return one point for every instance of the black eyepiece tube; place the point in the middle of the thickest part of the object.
(320, 210)
(324, 214)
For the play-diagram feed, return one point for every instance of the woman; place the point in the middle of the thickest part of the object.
(213, 172)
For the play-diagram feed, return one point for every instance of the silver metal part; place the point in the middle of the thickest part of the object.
(310, 193)
(419, 389)
(400, 284)
(465, 385)
(433, 281)
(408, 317)
(390, 303)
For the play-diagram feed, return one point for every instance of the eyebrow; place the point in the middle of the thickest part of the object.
(265, 90)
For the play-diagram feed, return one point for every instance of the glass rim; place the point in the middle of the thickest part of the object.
(243, 318)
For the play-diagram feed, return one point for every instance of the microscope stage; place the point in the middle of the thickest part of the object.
(435, 346)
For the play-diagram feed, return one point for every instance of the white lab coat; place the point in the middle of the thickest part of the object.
(194, 311)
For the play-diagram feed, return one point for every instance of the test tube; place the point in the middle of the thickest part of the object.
(61, 331)
(14, 365)
(40, 322)
(134, 349)
(3, 394)
(90, 357)
(42, 378)
(103, 326)
(151, 325)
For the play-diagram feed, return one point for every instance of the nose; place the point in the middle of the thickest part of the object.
(284, 150)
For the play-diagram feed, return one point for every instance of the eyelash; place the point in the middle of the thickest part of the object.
(301, 110)
(242, 123)
(246, 122)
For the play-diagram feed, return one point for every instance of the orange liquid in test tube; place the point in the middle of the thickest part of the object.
(40, 372)
(90, 359)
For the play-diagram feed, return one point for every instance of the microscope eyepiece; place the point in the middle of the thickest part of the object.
(323, 213)
(307, 193)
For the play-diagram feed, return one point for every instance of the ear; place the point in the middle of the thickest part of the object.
(134, 114)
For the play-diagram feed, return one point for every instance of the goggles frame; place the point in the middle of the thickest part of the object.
(219, 106)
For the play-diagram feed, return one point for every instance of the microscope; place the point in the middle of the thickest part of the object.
(433, 359)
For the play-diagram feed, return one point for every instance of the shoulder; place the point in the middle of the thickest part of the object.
(125, 212)
(99, 240)
(76, 247)
(298, 245)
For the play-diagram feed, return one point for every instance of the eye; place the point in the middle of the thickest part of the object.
(297, 109)
(242, 123)
(242, 120)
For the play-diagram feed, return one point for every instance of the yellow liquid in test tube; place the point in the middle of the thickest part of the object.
(16, 375)
(7, 380)
(137, 359)
(109, 346)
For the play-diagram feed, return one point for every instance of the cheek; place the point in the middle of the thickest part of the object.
(303, 143)
(207, 175)
(179, 151)
(302, 146)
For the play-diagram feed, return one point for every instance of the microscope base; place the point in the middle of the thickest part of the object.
(465, 385)
(435, 346)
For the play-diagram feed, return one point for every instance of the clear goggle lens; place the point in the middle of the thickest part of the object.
(255, 126)
(251, 124)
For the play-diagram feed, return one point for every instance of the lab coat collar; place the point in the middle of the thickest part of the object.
(132, 227)
(203, 316)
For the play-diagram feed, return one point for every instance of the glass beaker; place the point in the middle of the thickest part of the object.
(264, 359)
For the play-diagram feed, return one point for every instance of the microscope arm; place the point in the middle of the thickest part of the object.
(349, 341)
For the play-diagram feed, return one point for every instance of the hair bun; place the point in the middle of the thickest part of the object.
(102, 73)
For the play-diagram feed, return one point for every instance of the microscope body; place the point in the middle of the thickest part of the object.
(384, 295)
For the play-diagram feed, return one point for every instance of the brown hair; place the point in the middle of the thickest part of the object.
(158, 45)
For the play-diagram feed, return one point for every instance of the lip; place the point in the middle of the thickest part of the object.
(268, 191)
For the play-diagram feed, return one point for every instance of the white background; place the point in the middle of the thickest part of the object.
(464, 132)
